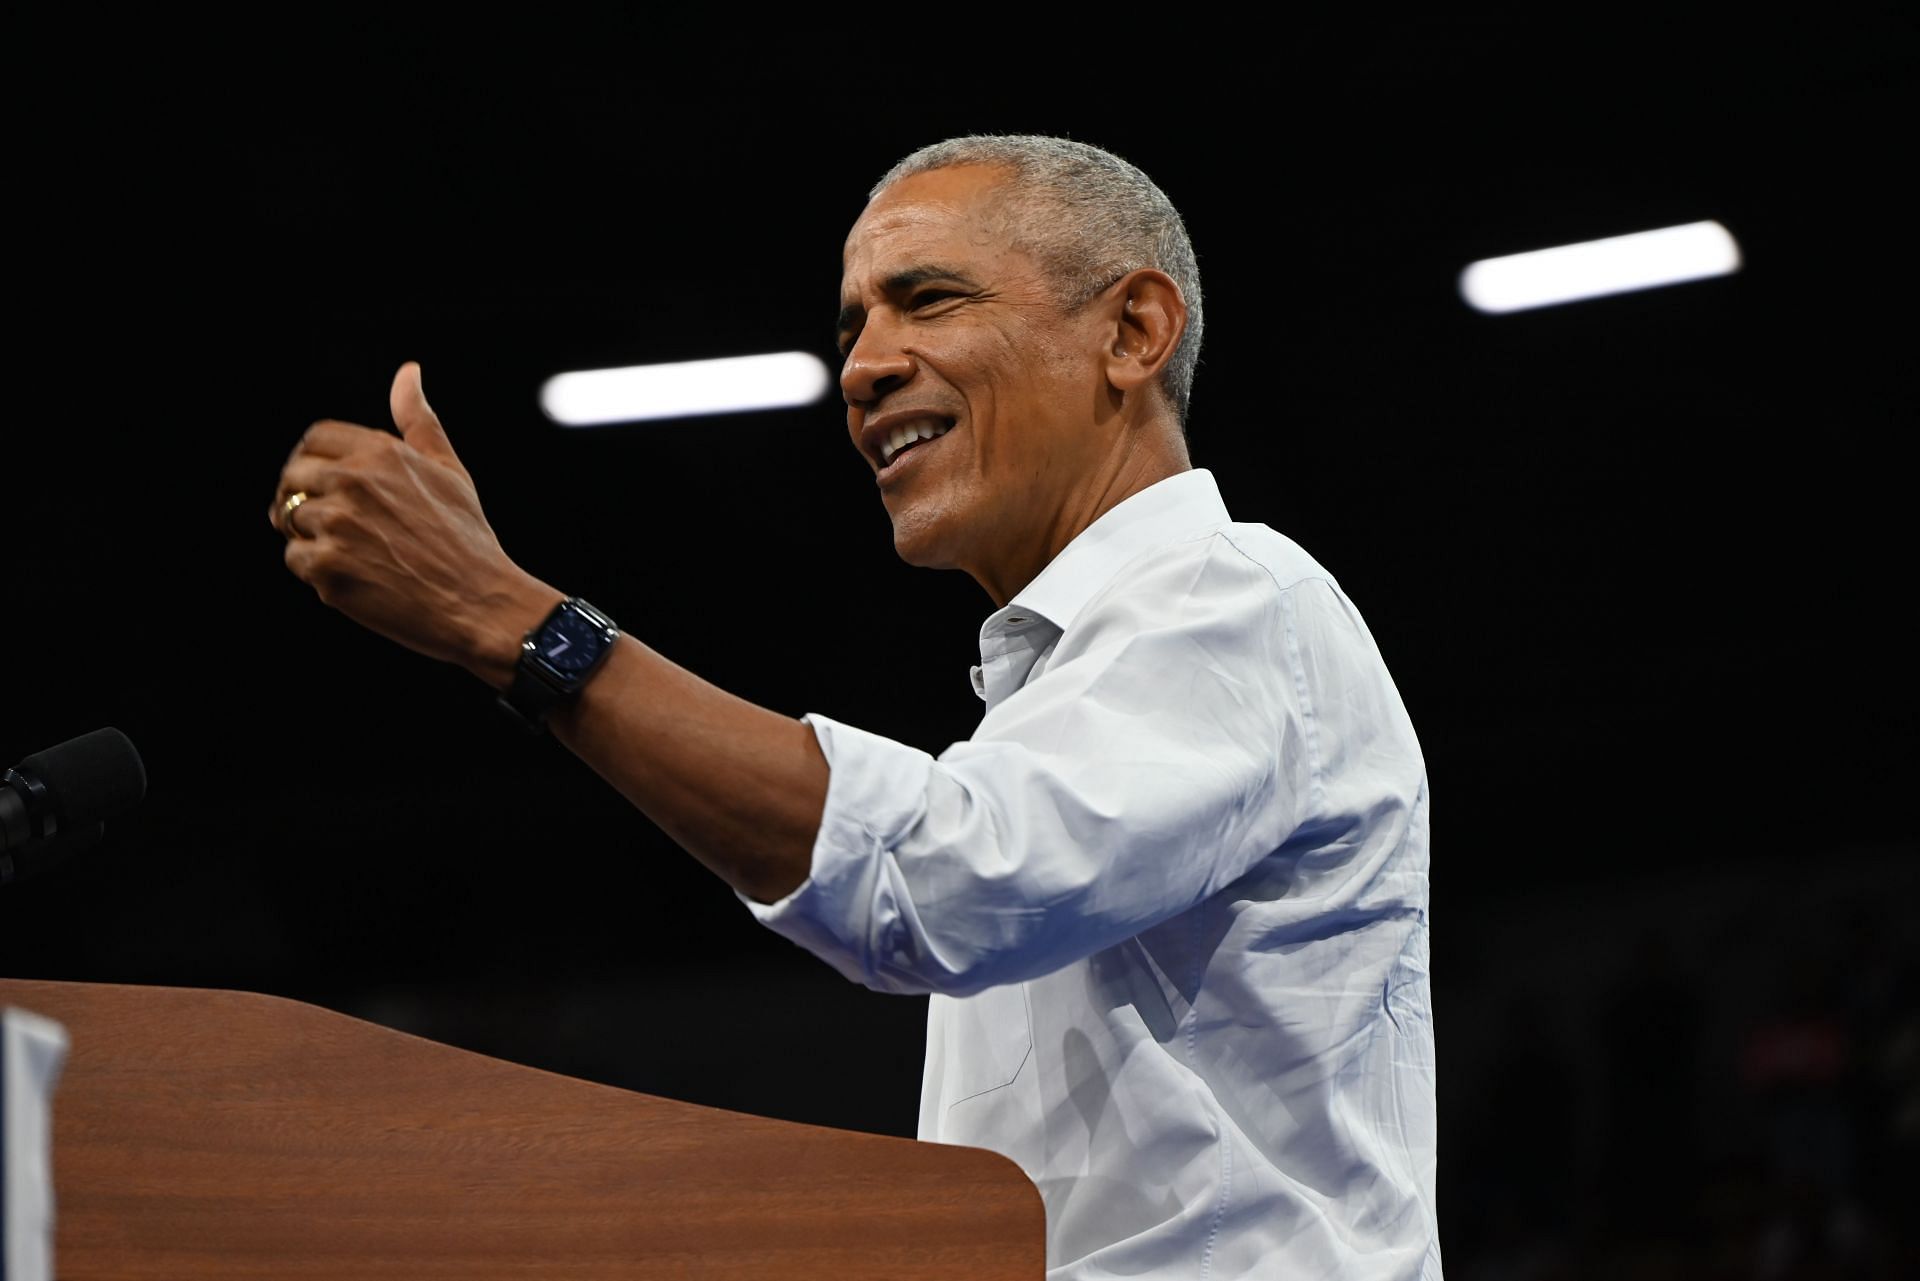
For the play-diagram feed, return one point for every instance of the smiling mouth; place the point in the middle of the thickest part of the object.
(907, 435)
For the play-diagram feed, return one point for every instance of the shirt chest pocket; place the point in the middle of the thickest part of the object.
(989, 1037)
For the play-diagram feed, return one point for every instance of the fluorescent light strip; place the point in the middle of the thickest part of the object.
(1595, 268)
(636, 393)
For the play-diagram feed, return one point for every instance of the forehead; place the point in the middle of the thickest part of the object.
(948, 215)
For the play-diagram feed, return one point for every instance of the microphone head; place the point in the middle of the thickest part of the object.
(91, 778)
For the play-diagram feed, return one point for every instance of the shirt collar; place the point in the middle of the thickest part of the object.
(1182, 504)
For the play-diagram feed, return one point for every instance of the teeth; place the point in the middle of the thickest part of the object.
(907, 433)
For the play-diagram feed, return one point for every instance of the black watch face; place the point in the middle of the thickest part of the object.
(570, 643)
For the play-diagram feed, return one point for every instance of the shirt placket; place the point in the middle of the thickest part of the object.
(1006, 659)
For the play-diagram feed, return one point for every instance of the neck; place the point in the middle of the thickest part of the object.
(1144, 457)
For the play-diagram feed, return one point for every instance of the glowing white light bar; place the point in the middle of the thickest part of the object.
(1595, 268)
(734, 384)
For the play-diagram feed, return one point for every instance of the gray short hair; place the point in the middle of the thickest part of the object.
(1098, 219)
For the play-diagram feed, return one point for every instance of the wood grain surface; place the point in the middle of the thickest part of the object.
(215, 1134)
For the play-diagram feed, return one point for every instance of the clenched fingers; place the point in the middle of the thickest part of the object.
(331, 438)
(314, 560)
(317, 462)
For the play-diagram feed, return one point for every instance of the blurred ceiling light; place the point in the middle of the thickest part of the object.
(733, 384)
(1595, 268)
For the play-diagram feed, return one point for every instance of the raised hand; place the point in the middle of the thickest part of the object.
(390, 533)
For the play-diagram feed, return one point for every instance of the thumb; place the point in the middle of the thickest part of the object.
(419, 425)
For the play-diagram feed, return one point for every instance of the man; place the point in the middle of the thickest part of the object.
(1170, 898)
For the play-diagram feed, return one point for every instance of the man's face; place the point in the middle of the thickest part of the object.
(949, 331)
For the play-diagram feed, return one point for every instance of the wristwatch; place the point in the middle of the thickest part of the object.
(556, 660)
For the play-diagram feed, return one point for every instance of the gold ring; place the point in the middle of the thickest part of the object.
(287, 509)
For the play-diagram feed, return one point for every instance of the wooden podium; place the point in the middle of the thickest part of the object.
(212, 1135)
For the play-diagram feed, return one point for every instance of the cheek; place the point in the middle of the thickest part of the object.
(1006, 398)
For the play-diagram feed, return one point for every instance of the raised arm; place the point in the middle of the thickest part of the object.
(391, 533)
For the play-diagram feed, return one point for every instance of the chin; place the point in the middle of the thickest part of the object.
(920, 539)
(917, 551)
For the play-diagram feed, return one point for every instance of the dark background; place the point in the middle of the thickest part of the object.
(1639, 565)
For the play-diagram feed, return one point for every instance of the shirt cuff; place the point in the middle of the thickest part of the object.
(876, 791)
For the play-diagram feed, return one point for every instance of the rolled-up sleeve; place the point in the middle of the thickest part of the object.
(1167, 746)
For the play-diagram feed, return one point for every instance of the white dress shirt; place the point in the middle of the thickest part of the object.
(1171, 902)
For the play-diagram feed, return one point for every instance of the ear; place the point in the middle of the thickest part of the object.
(1148, 315)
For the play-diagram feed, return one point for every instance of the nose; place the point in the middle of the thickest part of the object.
(876, 364)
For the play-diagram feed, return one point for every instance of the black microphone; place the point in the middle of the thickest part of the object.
(58, 801)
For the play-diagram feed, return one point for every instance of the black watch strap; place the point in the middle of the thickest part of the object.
(530, 700)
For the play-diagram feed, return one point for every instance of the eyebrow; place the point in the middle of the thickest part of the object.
(901, 282)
